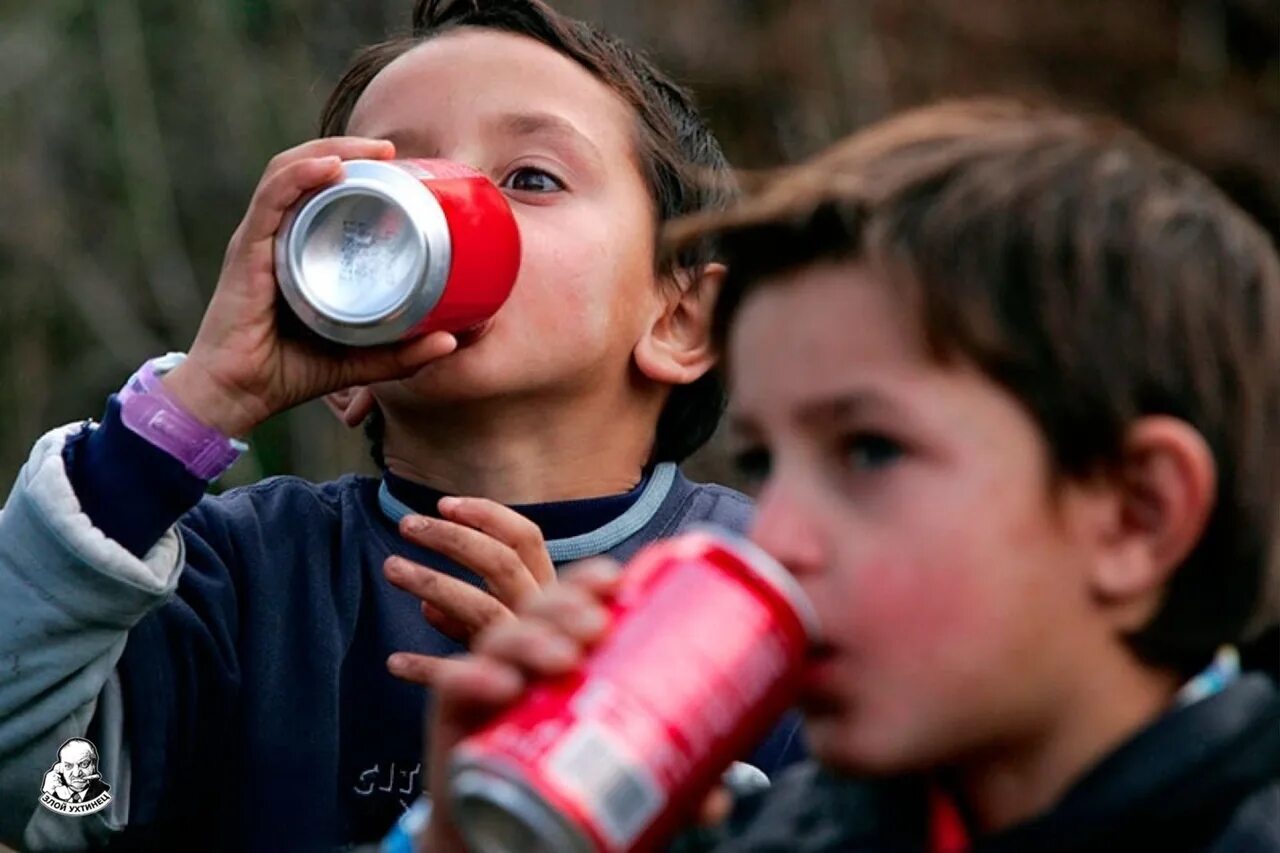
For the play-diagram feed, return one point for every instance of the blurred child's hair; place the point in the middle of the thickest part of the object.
(1092, 276)
(682, 163)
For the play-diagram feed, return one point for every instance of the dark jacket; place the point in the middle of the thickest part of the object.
(1205, 777)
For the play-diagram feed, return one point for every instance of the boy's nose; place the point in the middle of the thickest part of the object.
(787, 531)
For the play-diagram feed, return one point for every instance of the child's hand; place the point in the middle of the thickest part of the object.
(240, 370)
(549, 638)
(497, 543)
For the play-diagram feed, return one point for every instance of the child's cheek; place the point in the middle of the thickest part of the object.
(567, 286)
(918, 611)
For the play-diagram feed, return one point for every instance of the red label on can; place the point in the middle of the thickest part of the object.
(484, 239)
(699, 664)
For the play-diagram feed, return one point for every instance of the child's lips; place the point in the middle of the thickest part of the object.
(820, 651)
(467, 337)
(821, 674)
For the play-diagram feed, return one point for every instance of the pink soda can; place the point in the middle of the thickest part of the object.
(708, 639)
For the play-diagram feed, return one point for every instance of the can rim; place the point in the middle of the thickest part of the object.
(766, 568)
(480, 781)
(393, 186)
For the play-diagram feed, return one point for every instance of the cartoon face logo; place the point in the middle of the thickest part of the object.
(79, 764)
(73, 786)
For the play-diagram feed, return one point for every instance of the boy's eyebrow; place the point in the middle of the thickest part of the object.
(551, 126)
(838, 407)
(844, 407)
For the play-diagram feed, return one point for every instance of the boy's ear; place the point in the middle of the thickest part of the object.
(351, 405)
(1166, 489)
(676, 348)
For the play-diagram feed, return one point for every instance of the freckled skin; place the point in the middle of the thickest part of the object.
(586, 287)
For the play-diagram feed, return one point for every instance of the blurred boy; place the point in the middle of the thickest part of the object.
(232, 668)
(1009, 381)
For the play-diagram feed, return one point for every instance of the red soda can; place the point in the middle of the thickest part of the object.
(398, 248)
(703, 656)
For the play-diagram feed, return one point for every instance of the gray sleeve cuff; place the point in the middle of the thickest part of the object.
(68, 598)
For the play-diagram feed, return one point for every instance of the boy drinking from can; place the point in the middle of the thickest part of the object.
(1009, 383)
(229, 657)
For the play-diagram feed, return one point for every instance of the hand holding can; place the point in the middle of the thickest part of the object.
(613, 748)
(240, 369)
(398, 249)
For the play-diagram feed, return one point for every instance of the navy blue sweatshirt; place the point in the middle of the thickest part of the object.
(259, 713)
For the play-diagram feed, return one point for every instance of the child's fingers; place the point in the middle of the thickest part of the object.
(467, 606)
(281, 190)
(342, 147)
(420, 669)
(503, 571)
(597, 575)
(446, 624)
(468, 684)
(415, 353)
(293, 173)
(575, 611)
(508, 527)
(534, 646)
(715, 807)
(377, 364)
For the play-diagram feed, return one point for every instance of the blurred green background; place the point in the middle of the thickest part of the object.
(132, 133)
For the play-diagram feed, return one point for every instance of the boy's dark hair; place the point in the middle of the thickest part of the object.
(1092, 276)
(683, 165)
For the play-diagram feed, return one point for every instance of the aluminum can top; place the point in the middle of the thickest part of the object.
(366, 258)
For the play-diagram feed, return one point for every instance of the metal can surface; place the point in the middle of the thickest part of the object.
(396, 249)
(703, 656)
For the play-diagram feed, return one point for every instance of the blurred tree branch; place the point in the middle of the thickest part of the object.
(144, 167)
(133, 132)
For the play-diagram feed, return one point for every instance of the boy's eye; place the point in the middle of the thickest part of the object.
(870, 451)
(753, 464)
(530, 179)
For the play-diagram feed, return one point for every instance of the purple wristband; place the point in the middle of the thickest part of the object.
(148, 410)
